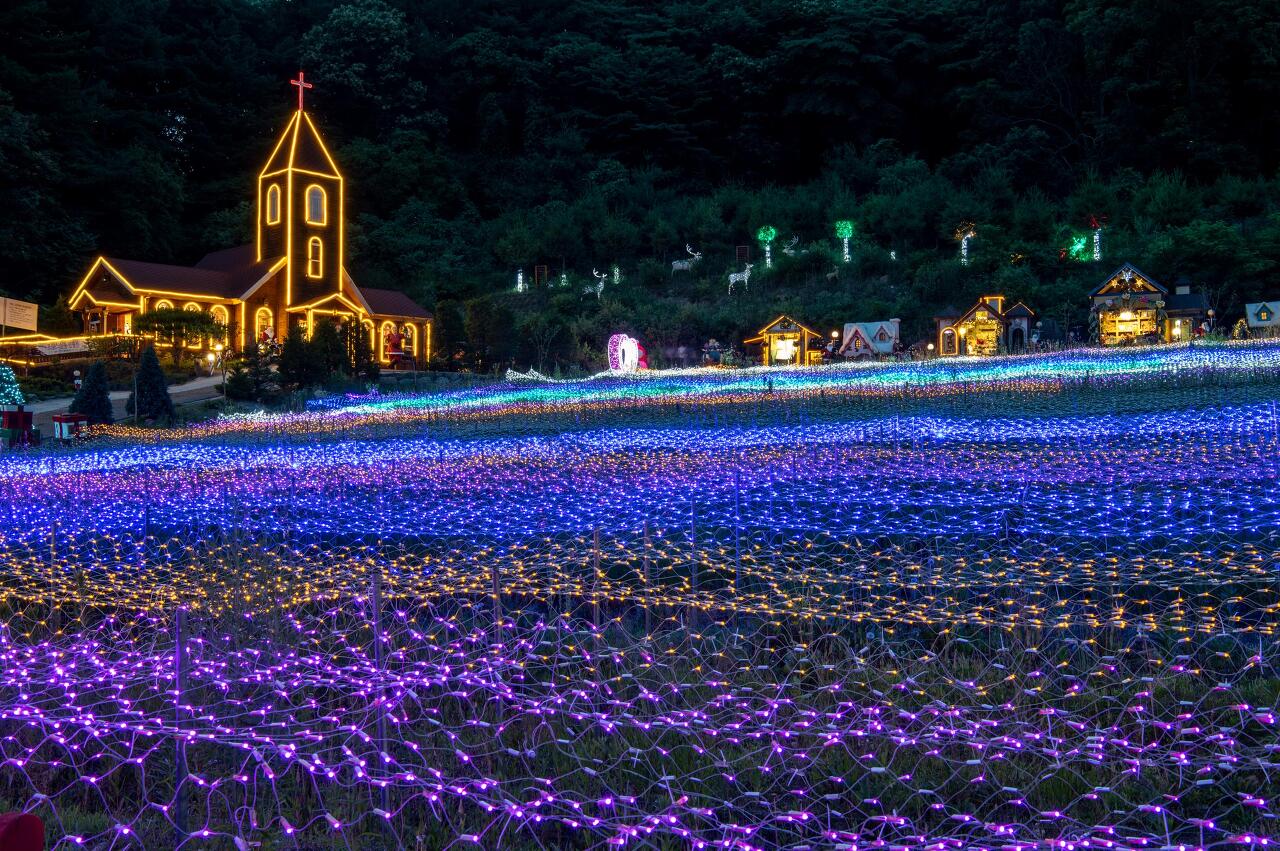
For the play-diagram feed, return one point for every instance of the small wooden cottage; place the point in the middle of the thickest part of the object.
(1132, 307)
(785, 342)
(1263, 318)
(870, 339)
(987, 328)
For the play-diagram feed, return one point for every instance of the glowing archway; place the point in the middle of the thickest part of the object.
(411, 342)
(222, 316)
(626, 354)
(384, 334)
(264, 325)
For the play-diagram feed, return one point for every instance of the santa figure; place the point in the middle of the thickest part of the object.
(395, 346)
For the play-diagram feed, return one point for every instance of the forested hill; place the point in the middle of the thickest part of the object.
(482, 137)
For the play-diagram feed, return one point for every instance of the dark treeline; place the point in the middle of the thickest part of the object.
(483, 137)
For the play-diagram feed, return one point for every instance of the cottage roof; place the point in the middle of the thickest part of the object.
(1262, 314)
(1186, 303)
(879, 337)
(1137, 274)
(782, 325)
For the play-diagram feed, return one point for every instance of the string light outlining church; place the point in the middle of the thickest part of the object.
(292, 275)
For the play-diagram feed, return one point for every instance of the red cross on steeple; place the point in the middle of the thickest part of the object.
(302, 84)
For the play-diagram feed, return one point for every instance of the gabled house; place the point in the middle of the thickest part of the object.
(1263, 318)
(987, 328)
(785, 342)
(869, 339)
(1133, 307)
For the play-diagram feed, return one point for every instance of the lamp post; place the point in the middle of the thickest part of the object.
(929, 349)
(217, 356)
(1211, 314)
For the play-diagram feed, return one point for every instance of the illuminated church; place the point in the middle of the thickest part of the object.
(293, 275)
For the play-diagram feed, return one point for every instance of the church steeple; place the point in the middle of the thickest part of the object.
(301, 215)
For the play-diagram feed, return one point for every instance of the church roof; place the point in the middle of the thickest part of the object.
(228, 259)
(1019, 309)
(228, 274)
(238, 265)
(392, 303)
(173, 279)
(300, 146)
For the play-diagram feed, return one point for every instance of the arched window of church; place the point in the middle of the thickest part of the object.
(192, 307)
(315, 258)
(410, 341)
(164, 304)
(384, 341)
(316, 214)
(264, 326)
(223, 318)
(273, 204)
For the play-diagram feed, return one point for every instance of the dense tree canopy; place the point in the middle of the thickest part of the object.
(483, 136)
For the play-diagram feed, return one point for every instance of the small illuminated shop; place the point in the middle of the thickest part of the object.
(785, 342)
(985, 329)
(1132, 308)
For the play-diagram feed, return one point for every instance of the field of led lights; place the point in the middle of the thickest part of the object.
(1028, 602)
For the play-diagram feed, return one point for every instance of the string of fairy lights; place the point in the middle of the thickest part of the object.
(1028, 603)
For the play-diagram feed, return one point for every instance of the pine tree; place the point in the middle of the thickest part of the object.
(360, 362)
(239, 385)
(328, 351)
(152, 402)
(93, 399)
(256, 364)
(298, 369)
(10, 392)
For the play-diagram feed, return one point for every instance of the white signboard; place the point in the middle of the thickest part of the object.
(66, 347)
(18, 314)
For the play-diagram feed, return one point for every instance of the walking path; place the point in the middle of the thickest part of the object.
(196, 390)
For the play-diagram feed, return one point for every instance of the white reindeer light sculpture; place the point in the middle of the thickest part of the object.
(686, 265)
(598, 286)
(790, 248)
(743, 277)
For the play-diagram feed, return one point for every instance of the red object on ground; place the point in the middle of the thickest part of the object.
(21, 832)
(67, 426)
(14, 417)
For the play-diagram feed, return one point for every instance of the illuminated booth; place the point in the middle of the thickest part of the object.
(785, 342)
(1131, 308)
(985, 329)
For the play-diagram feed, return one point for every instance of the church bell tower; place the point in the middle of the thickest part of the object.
(300, 210)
